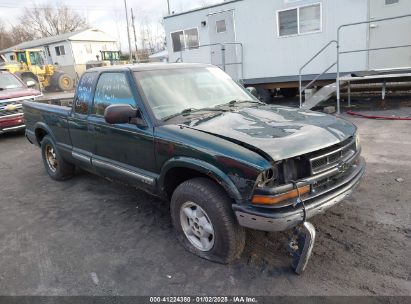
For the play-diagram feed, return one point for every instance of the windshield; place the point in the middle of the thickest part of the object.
(35, 58)
(8, 81)
(172, 91)
(110, 55)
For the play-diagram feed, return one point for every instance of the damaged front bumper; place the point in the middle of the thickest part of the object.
(279, 219)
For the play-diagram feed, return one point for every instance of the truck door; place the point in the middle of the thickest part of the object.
(78, 127)
(121, 151)
(221, 30)
(390, 33)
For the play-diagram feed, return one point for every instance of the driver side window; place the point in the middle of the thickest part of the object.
(112, 88)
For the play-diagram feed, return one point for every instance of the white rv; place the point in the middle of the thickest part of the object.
(266, 42)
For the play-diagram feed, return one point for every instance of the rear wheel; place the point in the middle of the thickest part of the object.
(62, 82)
(202, 215)
(56, 167)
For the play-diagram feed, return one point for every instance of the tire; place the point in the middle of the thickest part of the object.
(212, 204)
(264, 95)
(58, 169)
(62, 82)
(289, 92)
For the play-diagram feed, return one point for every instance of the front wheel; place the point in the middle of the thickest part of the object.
(56, 167)
(202, 215)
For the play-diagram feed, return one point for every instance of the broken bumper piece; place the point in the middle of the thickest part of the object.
(288, 217)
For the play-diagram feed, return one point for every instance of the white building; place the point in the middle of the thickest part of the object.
(70, 51)
(278, 36)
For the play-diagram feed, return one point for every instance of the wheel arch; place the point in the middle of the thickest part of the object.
(177, 170)
(40, 131)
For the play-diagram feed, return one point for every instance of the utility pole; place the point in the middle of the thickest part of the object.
(168, 6)
(135, 36)
(128, 33)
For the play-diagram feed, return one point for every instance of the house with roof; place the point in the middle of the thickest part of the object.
(70, 51)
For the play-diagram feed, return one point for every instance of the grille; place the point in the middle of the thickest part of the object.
(11, 108)
(331, 157)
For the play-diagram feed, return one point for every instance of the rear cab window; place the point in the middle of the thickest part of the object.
(84, 93)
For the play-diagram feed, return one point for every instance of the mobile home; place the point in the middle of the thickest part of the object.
(266, 42)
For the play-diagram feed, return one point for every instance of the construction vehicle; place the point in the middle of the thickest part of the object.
(107, 58)
(29, 65)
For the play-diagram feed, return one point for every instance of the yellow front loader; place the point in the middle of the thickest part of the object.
(108, 58)
(29, 66)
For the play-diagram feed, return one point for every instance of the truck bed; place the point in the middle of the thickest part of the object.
(60, 98)
(53, 117)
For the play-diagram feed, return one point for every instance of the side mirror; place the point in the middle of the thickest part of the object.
(31, 83)
(122, 114)
(253, 91)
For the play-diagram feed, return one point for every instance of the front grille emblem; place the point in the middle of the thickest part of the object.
(343, 167)
(11, 107)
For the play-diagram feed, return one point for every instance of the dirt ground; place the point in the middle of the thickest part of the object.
(89, 236)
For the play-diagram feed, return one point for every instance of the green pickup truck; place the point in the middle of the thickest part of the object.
(191, 135)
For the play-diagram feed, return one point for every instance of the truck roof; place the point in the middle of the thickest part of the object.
(149, 67)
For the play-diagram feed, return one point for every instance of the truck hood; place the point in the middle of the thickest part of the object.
(276, 131)
(18, 92)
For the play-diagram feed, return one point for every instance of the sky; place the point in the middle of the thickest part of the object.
(107, 15)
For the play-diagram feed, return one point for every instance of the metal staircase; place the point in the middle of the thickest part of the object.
(327, 91)
(321, 95)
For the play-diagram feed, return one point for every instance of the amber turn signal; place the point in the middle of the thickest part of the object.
(275, 199)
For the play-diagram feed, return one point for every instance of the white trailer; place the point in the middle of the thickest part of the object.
(264, 43)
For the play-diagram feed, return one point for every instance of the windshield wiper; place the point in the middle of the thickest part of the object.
(189, 111)
(234, 102)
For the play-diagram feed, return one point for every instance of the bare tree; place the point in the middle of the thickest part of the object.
(6, 39)
(151, 36)
(47, 20)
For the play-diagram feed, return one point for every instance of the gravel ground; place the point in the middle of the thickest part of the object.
(89, 236)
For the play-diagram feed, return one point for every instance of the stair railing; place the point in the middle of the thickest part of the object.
(339, 52)
(301, 88)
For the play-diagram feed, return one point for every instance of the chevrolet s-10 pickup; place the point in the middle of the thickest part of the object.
(191, 135)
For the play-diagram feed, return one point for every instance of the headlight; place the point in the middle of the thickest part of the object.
(267, 178)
